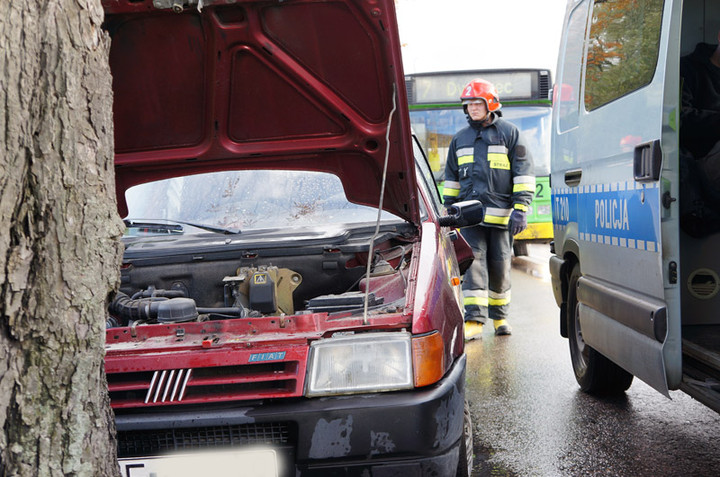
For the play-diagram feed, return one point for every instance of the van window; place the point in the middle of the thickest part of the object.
(567, 92)
(622, 50)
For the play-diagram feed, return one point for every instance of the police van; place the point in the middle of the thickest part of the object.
(636, 259)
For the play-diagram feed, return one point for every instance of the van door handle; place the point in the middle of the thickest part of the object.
(647, 161)
(572, 177)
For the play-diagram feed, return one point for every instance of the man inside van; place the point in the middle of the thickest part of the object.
(489, 161)
(699, 140)
(700, 115)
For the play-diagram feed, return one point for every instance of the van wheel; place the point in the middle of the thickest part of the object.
(465, 462)
(594, 372)
(520, 249)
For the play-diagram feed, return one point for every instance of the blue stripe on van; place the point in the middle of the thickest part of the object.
(625, 214)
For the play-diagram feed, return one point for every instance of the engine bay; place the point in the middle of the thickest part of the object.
(176, 279)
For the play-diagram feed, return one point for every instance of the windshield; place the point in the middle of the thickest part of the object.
(436, 127)
(238, 201)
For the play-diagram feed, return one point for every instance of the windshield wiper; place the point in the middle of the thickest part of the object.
(139, 223)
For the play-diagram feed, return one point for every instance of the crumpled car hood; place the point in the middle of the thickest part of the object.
(296, 84)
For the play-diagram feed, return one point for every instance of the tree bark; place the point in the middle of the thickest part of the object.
(59, 248)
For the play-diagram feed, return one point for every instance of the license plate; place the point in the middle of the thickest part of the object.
(248, 463)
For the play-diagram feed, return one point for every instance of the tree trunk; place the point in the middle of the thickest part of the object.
(59, 248)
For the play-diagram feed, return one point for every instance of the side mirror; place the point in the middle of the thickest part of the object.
(463, 214)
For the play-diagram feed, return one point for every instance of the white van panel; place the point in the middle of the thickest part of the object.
(613, 217)
(634, 288)
(611, 338)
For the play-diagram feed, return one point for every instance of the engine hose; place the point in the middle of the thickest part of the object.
(135, 309)
(152, 293)
(146, 309)
(232, 311)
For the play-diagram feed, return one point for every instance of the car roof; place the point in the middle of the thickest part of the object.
(297, 84)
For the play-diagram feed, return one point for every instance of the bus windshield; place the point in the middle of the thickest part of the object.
(436, 127)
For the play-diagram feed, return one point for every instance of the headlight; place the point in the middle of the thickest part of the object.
(369, 362)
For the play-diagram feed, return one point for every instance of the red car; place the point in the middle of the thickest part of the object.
(290, 297)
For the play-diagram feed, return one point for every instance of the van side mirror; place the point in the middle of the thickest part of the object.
(463, 214)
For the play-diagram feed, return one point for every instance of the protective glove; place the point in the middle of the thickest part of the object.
(518, 221)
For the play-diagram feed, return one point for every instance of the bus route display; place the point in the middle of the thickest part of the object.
(445, 87)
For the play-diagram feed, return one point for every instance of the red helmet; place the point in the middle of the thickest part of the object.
(481, 89)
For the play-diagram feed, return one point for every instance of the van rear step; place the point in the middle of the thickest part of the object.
(701, 379)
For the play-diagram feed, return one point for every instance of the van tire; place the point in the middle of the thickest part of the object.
(520, 249)
(465, 461)
(594, 372)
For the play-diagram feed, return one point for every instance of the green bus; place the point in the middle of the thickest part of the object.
(436, 115)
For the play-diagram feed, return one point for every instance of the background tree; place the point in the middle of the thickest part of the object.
(59, 253)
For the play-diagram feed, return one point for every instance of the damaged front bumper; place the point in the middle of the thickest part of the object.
(414, 432)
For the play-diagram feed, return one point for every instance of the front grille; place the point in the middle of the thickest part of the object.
(155, 442)
(205, 384)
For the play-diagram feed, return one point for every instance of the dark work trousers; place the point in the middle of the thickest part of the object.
(486, 284)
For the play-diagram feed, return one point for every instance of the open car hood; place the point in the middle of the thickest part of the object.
(294, 84)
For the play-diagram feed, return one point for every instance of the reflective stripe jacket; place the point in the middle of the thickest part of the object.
(493, 165)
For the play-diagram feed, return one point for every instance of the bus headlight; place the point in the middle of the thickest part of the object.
(369, 362)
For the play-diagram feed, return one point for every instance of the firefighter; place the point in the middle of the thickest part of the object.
(489, 161)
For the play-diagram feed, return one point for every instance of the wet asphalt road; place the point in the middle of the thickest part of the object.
(531, 419)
